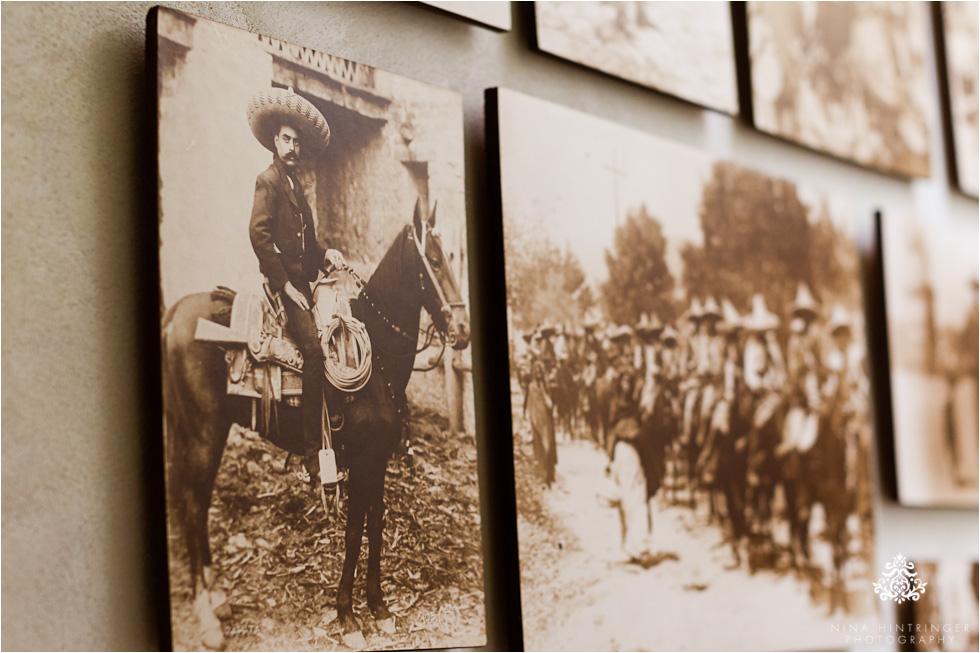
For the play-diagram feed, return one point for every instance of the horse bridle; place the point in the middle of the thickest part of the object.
(446, 306)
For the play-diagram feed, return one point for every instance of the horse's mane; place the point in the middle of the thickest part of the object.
(396, 295)
(389, 277)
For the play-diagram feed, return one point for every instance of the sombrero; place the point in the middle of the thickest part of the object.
(804, 305)
(760, 319)
(546, 330)
(270, 108)
(710, 309)
(839, 320)
(731, 318)
(669, 337)
(621, 333)
(649, 327)
(694, 313)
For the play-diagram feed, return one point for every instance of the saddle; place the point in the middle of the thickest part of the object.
(263, 361)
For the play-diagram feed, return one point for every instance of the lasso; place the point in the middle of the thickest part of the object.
(347, 363)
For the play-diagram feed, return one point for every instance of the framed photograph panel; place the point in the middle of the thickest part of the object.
(314, 320)
(689, 394)
(845, 78)
(930, 274)
(679, 48)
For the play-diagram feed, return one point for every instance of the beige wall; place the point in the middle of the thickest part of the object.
(77, 557)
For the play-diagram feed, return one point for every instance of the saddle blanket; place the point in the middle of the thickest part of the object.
(261, 359)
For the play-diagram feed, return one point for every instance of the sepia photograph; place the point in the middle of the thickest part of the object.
(945, 614)
(679, 48)
(846, 78)
(961, 21)
(930, 275)
(321, 459)
(689, 393)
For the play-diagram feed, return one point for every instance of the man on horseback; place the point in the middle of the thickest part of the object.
(803, 368)
(283, 233)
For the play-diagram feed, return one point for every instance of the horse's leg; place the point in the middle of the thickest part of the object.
(198, 470)
(375, 532)
(197, 430)
(357, 504)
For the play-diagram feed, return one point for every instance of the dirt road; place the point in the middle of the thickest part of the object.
(579, 594)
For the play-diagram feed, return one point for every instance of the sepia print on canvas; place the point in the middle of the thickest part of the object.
(961, 22)
(689, 394)
(930, 269)
(846, 78)
(681, 48)
(318, 408)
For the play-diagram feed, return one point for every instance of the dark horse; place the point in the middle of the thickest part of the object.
(199, 412)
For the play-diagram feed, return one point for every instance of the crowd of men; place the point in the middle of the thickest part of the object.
(718, 407)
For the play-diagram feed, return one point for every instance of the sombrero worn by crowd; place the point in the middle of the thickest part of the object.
(840, 321)
(710, 310)
(731, 319)
(270, 109)
(695, 312)
(760, 319)
(649, 327)
(804, 306)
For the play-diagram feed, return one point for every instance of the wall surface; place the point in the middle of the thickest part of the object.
(81, 539)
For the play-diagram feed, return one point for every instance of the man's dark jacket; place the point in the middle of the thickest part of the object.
(282, 231)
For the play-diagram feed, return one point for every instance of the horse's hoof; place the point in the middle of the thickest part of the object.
(220, 605)
(386, 625)
(355, 641)
(213, 639)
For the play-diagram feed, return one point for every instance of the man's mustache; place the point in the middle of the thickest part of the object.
(291, 156)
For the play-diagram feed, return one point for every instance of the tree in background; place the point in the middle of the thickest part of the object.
(639, 280)
(545, 283)
(756, 239)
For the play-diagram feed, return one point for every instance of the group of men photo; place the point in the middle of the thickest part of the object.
(754, 418)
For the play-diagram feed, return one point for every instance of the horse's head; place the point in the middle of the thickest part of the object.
(440, 293)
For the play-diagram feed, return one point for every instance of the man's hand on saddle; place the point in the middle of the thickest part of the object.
(298, 298)
(334, 260)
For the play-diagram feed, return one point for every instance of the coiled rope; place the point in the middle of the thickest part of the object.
(347, 360)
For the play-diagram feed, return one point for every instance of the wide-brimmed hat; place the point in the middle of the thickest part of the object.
(804, 305)
(731, 319)
(694, 313)
(760, 319)
(271, 108)
(546, 330)
(710, 309)
(669, 337)
(840, 321)
(620, 333)
(649, 326)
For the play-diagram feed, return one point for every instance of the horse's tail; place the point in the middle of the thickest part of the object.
(176, 336)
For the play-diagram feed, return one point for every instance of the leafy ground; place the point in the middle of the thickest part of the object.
(278, 558)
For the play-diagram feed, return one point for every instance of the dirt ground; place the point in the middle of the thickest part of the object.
(278, 558)
(578, 592)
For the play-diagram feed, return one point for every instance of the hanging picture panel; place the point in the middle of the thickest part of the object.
(679, 48)
(291, 180)
(845, 78)
(930, 275)
(689, 394)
